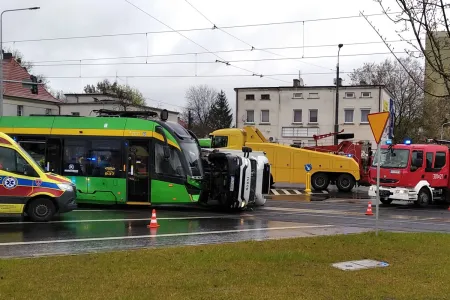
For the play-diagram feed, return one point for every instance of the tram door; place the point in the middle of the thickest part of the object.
(138, 179)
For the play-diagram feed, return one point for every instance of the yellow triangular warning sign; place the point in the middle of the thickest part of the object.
(378, 123)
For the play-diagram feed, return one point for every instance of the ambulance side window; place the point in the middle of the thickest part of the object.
(13, 162)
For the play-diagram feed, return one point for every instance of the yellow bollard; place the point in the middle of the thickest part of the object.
(308, 183)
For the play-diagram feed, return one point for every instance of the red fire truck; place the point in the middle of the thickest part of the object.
(417, 173)
(361, 151)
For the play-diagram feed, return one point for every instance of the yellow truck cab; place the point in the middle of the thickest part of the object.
(26, 189)
(288, 163)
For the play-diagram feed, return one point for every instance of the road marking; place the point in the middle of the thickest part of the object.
(297, 192)
(274, 192)
(367, 218)
(286, 192)
(322, 211)
(162, 235)
(117, 220)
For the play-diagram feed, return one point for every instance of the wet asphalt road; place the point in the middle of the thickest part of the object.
(93, 229)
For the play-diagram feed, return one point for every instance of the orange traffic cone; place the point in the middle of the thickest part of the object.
(369, 209)
(153, 221)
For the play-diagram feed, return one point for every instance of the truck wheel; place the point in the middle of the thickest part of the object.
(320, 181)
(41, 210)
(345, 182)
(386, 201)
(424, 198)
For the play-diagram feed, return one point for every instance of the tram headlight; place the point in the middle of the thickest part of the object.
(65, 187)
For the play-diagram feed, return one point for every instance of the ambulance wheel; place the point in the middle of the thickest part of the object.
(41, 210)
(423, 199)
(320, 181)
(345, 182)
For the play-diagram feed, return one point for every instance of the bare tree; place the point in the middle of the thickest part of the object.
(200, 100)
(407, 95)
(427, 22)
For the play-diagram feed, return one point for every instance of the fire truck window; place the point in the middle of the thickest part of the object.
(440, 160)
(417, 155)
(429, 160)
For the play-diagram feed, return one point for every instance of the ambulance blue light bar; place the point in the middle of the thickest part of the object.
(388, 142)
(407, 142)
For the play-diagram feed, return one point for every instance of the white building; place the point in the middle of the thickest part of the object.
(86, 104)
(294, 114)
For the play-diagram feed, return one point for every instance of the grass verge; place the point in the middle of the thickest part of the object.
(278, 269)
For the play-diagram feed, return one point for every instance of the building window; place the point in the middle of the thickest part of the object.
(75, 113)
(348, 115)
(313, 96)
(349, 95)
(250, 116)
(265, 97)
(48, 111)
(364, 114)
(250, 97)
(265, 116)
(313, 116)
(20, 110)
(297, 95)
(295, 132)
(365, 94)
(297, 115)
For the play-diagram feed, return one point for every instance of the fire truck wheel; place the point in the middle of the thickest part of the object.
(345, 182)
(320, 181)
(424, 198)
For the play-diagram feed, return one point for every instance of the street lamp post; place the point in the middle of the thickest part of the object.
(336, 113)
(1, 51)
(442, 129)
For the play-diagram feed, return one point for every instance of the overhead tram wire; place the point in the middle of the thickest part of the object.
(193, 29)
(242, 41)
(220, 58)
(213, 62)
(220, 51)
(188, 76)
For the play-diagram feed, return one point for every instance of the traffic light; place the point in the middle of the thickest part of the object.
(34, 86)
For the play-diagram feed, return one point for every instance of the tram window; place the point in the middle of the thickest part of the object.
(105, 158)
(170, 167)
(75, 160)
(439, 161)
(36, 149)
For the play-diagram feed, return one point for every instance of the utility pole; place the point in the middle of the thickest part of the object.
(189, 119)
(336, 113)
(1, 51)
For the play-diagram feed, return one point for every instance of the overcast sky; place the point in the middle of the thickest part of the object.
(70, 18)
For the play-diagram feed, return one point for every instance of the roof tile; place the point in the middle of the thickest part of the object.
(13, 71)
